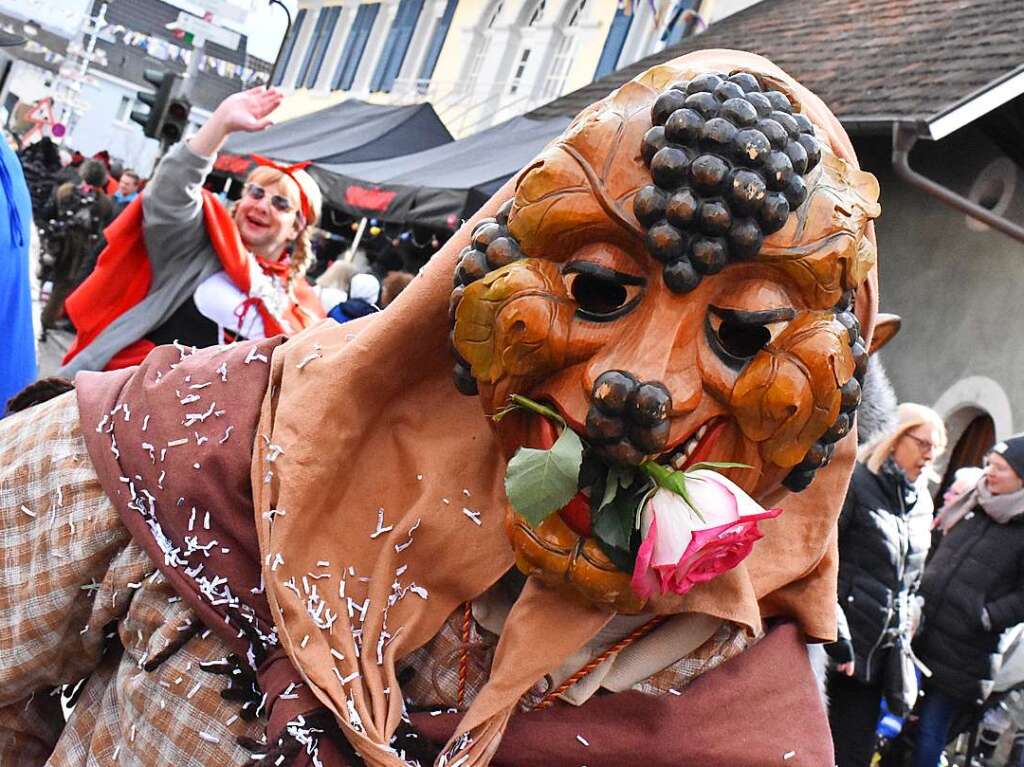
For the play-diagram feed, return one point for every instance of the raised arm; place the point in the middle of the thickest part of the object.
(173, 196)
(246, 111)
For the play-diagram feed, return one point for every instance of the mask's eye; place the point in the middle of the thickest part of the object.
(736, 336)
(601, 294)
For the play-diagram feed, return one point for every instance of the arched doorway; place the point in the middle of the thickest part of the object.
(974, 442)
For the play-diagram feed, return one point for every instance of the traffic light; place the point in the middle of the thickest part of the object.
(175, 121)
(166, 117)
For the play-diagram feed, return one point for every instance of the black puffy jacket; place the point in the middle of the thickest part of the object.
(883, 540)
(979, 564)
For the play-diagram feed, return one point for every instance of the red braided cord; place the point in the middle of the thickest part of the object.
(467, 619)
(622, 644)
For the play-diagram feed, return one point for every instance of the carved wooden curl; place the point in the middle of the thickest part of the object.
(567, 561)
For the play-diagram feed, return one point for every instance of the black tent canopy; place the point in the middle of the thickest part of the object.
(351, 131)
(439, 186)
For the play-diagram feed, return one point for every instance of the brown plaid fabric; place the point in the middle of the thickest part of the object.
(79, 600)
(69, 575)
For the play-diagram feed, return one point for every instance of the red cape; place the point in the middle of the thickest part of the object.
(123, 277)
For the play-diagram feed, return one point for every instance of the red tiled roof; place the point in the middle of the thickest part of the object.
(872, 61)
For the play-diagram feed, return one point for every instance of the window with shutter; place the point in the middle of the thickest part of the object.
(307, 61)
(289, 46)
(322, 40)
(355, 44)
(517, 77)
(614, 43)
(437, 41)
(396, 45)
(678, 24)
(554, 83)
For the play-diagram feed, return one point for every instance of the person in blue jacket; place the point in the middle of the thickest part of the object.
(18, 352)
(363, 299)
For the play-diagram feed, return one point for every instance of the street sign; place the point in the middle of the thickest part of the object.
(205, 30)
(223, 9)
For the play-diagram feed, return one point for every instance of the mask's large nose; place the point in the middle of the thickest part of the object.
(628, 419)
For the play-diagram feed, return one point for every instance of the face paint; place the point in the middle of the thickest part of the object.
(676, 277)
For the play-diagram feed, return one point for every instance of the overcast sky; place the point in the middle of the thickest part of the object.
(265, 28)
(265, 25)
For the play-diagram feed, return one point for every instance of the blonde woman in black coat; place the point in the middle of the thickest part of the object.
(884, 535)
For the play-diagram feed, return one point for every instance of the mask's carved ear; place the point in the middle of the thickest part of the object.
(886, 328)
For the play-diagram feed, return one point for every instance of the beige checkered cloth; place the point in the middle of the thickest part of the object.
(69, 577)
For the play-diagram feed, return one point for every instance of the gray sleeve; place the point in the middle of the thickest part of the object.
(172, 210)
(173, 196)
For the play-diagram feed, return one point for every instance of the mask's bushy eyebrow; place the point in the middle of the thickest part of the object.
(760, 317)
(588, 267)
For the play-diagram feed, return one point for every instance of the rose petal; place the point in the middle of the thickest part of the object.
(675, 527)
(644, 581)
(713, 499)
(679, 550)
(745, 505)
(714, 551)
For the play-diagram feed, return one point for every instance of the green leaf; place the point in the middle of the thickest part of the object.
(623, 475)
(540, 482)
(613, 524)
(619, 478)
(611, 487)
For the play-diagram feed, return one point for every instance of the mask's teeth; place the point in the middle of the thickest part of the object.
(682, 455)
(690, 447)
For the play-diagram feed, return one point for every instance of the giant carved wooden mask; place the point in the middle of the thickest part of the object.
(675, 275)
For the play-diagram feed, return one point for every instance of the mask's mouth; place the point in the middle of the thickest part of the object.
(695, 448)
(685, 453)
(688, 451)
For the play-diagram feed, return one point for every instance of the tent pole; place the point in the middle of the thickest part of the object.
(355, 240)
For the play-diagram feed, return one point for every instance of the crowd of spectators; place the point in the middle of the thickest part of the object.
(931, 604)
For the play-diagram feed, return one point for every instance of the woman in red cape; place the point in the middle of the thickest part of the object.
(180, 267)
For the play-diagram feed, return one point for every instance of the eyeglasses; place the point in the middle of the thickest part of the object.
(923, 445)
(278, 201)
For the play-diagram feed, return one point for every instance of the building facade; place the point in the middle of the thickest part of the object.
(954, 281)
(479, 62)
(130, 38)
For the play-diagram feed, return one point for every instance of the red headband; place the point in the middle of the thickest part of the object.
(289, 171)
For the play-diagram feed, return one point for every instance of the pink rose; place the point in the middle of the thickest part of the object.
(680, 549)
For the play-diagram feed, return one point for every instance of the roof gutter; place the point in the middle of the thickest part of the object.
(904, 136)
(876, 125)
(977, 104)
